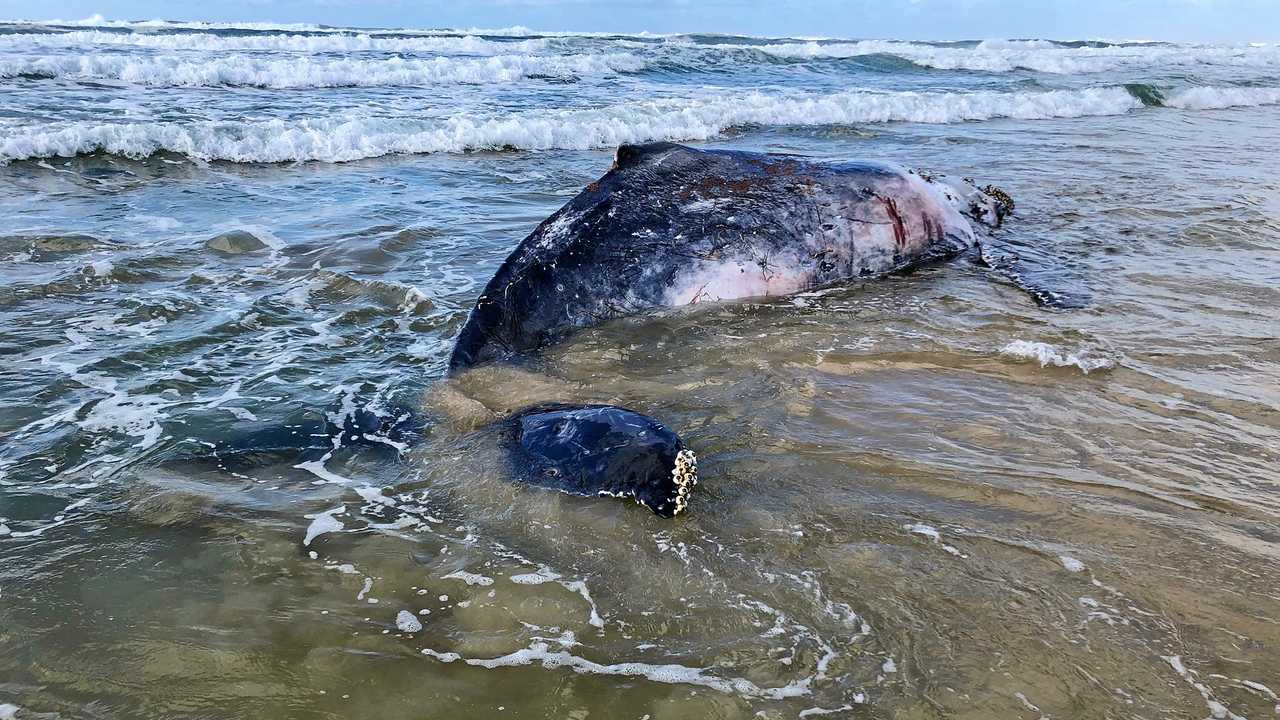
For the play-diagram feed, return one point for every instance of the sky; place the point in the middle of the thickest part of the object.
(1176, 20)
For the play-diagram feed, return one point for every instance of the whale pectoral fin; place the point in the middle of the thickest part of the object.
(1049, 280)
(600, 450)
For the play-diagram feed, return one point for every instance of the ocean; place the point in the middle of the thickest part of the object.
(922, 496)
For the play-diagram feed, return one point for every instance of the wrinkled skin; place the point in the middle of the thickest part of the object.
(669, 225)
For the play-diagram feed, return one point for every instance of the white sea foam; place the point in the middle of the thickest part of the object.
(1071, 564)
(59, 520)
(1215, 98)
(348, 137)
(580, 587)
(469, 578)
(540, 653)
(307, 72)
(1216, 708)
(317, 468)
(97, 20)
(374, 496)
(545, 574)
(816, 711)
(926, 530)
(294, 43)
(1047, 355)
(322, 523)
(998, 44)
(136, 415)
(364, 590)
(408, 622)
(1037, 55)
(542, 575)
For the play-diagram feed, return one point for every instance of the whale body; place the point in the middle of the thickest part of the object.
(671, 225)
(667, 225)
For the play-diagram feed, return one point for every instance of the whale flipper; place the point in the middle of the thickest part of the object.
(1036, 271)
(600, 450)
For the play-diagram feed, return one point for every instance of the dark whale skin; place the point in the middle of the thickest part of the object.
(671, 225)
(600, 450)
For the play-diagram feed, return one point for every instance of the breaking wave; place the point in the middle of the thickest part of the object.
(995, 56)
(1037, 55)
(309, 43)
(1216, 98)
(340, 138)
(1047, 355)
(303, 72)
(99, 21)
(344, 138)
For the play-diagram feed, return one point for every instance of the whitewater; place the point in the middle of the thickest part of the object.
(195, 89)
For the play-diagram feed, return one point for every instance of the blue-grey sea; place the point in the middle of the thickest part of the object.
(923, 496)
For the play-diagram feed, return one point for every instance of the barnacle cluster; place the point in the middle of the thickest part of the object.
(685, 476)
(1001, 197)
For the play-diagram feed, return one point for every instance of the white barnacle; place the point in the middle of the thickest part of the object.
(685, 477)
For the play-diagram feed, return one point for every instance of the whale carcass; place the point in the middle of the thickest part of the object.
(671, 225)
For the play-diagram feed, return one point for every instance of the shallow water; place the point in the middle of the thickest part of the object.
(922, 496)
